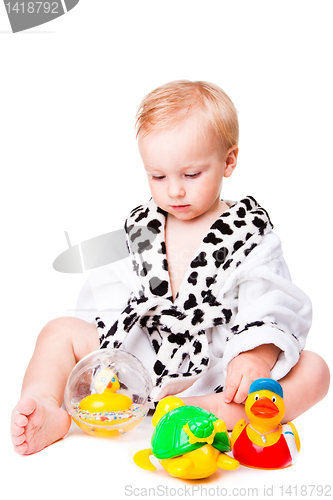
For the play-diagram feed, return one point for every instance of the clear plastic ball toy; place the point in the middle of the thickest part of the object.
(107, 393)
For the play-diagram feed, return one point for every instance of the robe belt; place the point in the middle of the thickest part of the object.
(176, 335)
(173, 320)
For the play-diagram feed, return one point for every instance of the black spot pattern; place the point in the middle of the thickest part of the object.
(142, 215)
(191, 302)
(175, 338)
(240, 223)
(154, 226)
(193, 278)
(159, 367)
(146, 267)
(197, 317)
(211, 280)
(241, 212)
(211, 238)
(199, 261)
(223, 227)
(158, 287)
(237, 246)
(260, 224)
(144, 246)
(197, 347)
(220, 256)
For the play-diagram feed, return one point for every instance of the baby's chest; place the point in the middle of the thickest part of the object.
(180, 251)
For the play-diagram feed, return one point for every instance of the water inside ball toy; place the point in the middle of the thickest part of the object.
(107, 393)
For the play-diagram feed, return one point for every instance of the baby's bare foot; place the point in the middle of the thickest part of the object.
(230, 413)
(37, 424)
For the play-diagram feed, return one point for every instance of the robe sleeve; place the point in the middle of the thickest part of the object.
(270, 308)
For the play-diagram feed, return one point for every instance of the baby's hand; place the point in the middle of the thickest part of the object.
(247, 367)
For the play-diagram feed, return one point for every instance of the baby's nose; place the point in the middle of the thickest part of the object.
(175, 189)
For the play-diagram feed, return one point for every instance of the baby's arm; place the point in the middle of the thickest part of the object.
(247, 367)
(271, 324)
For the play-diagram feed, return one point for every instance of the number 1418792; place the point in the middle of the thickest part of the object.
(32, 7)
(304, 490)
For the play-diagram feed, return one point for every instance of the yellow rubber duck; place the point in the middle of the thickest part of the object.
(189, 442)
(107, 399)
(265, 443)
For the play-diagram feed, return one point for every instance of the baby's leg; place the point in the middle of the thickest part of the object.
(304, 386)
(38, 420)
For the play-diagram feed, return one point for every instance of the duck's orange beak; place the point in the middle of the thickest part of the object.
(110, 384)
(265, 408)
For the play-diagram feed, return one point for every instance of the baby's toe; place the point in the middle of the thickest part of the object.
(18, 440)
(17, 430)
(20, 420)
(21, 449)
(26, 406)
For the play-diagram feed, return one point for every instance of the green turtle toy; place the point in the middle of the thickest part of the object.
(188, 441)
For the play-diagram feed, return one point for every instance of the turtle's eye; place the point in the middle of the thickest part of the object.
(256, 397)
(274, 399)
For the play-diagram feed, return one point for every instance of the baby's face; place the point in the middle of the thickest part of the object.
(185, 169)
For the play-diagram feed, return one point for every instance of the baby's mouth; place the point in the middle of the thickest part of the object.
(179, 207)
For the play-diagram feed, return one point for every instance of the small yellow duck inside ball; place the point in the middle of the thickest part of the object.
(107, 393)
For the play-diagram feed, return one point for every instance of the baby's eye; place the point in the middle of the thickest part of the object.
(193, 176)
(158, 177)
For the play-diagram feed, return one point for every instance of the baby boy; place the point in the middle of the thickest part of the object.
(206, 303)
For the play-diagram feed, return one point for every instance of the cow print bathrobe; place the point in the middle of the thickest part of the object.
(235, 295)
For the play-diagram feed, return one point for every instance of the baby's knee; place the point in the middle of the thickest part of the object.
(67, 328)
(57, 327)
(318, 372)
(72, 333)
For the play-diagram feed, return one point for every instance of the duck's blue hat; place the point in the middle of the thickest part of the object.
(266, 384)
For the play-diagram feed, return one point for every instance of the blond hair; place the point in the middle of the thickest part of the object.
(175, 101)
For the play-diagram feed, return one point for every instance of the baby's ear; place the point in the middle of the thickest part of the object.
(230, 160)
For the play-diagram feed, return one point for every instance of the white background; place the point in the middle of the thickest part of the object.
(69, 91)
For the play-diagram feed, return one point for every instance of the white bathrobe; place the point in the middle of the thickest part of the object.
(236, 295)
